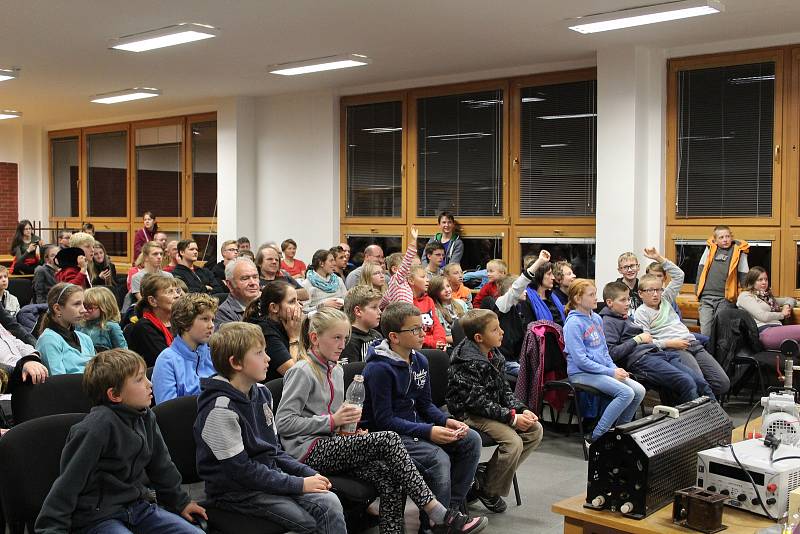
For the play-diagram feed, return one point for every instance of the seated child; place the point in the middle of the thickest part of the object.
(628, 267)
(180, 366)
(399, 267)
(7, 300)
(720, 272)
(590, 364)
(448, 309)
(455, 275)
(113, 457)
(657, 269)
(101, 322)
(434, 332)
(238, 454)
(479, 394)
(362, 308)
(445, 450)
(21, 360)
(495, 270)
(312, 416)
(563, 278)
(434, 256)
(632, 348)
(63, 349)
(657, 317)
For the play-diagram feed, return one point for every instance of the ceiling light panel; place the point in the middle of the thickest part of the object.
(9, 114)
(126, 95)
(185, 32)
(320, 64)
(9, 74)
(640, 16)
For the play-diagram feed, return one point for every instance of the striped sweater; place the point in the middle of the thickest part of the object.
(399, 290)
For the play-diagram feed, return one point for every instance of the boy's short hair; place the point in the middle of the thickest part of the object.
(183, 244)
(286, 242)
(393, 260)
(475, 321)
(558, 269)
(242, 240)
(432, 247)
(395, 315)
(615, 290)
(188, 307)
(361, 296)
(233, 339)
(110, 369)
(655, 267)
(415, 269)
(81, 239)
(626, 256)
(498, 264)
(228, 243)
(646, 279)
(504, 284)
(450, 267)
(719, 228)
(3, 269)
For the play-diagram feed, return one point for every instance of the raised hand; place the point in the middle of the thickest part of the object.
(652, 253)
(414, 234)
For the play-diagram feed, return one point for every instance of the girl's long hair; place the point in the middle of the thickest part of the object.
(58, 294)
(103, 298)
(319, 322)
(273, 293)
(435, 288)
(576, 291)
(19, 236)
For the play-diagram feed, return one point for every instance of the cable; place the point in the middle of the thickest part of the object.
(750, 478)
(747, 422)
(786, 458)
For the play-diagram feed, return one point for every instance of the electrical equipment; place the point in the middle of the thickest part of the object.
(698, 509)
(636, 468)
(780, 417)
(718, 471)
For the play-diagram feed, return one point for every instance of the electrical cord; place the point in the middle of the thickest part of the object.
(786, 458)
(750, 478)
(747, 421)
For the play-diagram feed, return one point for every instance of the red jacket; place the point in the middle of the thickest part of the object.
(489, 289)
(434, 331)
(73, 275)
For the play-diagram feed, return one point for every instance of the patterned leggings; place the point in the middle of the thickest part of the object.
(379, 458)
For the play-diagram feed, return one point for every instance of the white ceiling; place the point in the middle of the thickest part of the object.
(62, 45)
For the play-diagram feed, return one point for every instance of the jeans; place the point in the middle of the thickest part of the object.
(145, 518)
(626, 395)
(698, 359)
(666, 371)
(307, 513)
(708, 310)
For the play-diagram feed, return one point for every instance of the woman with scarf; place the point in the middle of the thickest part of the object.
(768, 311)
(151, 333)
(323, 286)
(543, 303)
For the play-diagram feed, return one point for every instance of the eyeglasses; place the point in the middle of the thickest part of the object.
(231, 250)
(629, 267)
(417, 330)
(652, 290)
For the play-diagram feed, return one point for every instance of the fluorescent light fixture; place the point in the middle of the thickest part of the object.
(639, 16)
(320, 64)
(532, 99)
(575, 116)
(137, 93)
(9, 74)
(752, 79)
(381, 130)
(554, 145)
(185, 32)
(9, 114)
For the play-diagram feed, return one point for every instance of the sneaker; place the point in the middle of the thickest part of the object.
(493, 503)
(455, 521)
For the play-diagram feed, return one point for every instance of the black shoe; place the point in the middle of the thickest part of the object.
(493, 503)
(455, 521)
(472, 494)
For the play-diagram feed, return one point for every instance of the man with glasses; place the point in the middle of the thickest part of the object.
(372, 254)
(628, 267)
(241, 279)
(229, 250)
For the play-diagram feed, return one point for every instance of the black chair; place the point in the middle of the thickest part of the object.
(30, 457)
(22, 288)
(176, 420)
(438, 362)
(56, 395)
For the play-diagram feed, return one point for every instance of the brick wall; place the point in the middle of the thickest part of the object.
(9, 204)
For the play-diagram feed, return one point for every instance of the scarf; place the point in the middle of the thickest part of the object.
(329, 285)
(161, 327)
(767, 297)
(539, 307)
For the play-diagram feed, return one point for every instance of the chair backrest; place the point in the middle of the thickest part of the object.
(22, 288)
(30, 457)
(221, 297)
(350, 370)
(58, 394)
(457, 331)
(275, 387)
(438, 362)
(176, 420)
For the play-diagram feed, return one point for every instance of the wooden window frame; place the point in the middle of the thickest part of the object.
(389, 230)
(789, 268)
(532, 231)
(62, 134)
(375, 98)
(791, 155)
(474, 231)
(188, 168)
(84, 172)
(515, 110)
(117, 226)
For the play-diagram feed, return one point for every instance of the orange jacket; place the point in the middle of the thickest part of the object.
(732, 282)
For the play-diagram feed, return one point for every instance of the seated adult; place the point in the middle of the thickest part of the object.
(769, 311)
(171, 256)
(44, 276)
(324, 288)
(101, 270)
(196, 280)
(243, 243)
(151, 333)
(449, 237)
(277, 311)
(63, 349)
(291, 265)
(563, 277)
(340, 257)
(152, 256)
(544, 304)
(268, 262)
(372, 254)
(229, 251)
(161, 239)
(73, 262)
(241, 277)
(25, 247)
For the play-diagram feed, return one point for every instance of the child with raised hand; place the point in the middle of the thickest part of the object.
(63, 349)
(239, 457)
(362, 307)
(448, 309)
(114, 458)
(312, 415)
(455, 275)
(590, 364)
(399, 289)
(102, 318)
(180, 366)
(434, 331)
(479, 394)
(495, 270)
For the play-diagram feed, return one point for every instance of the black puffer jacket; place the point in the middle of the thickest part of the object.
(477, 385)
(735, 331)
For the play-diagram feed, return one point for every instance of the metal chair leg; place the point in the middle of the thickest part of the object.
(580, 424)
(516, 490)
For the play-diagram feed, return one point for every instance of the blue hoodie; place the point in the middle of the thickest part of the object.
(399, 394)
(585, 345)
(237, 448)
(178, 370)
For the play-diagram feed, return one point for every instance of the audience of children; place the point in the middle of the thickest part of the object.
(44, 276)
(767, 310)
(434, 331)
(294, 267)
(101, 322)
(7, 300)
(323, 286)
(179, 367)
(152, 257)
(448, 309)
(362, 307)
(455, 275)
(721, 270)
(241, 278)
(562, 279)
(62, 348)
(238, 453)
(628, 267)
(312, 418)
(279, 314)
(495, 270)
(197, 280)
(450, 239)
(432, 258)
(151, 333)
(26, 248)
(146, 233)
(590, 364)
(399, 269)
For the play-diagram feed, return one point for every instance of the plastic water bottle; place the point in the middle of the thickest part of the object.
(354, 397)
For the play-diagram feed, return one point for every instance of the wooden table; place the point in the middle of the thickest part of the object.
(580, 520)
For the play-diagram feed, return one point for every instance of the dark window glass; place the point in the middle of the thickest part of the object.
(116, 242)
(478, 251)
(558, 150)
(690, 252)
(389, 244)
(206, 246)
(579, 252)
(725, 129)
(107, 176)
(374, 159)
(460, 154)
(158, 170)
(204, 168)
(64, 163)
